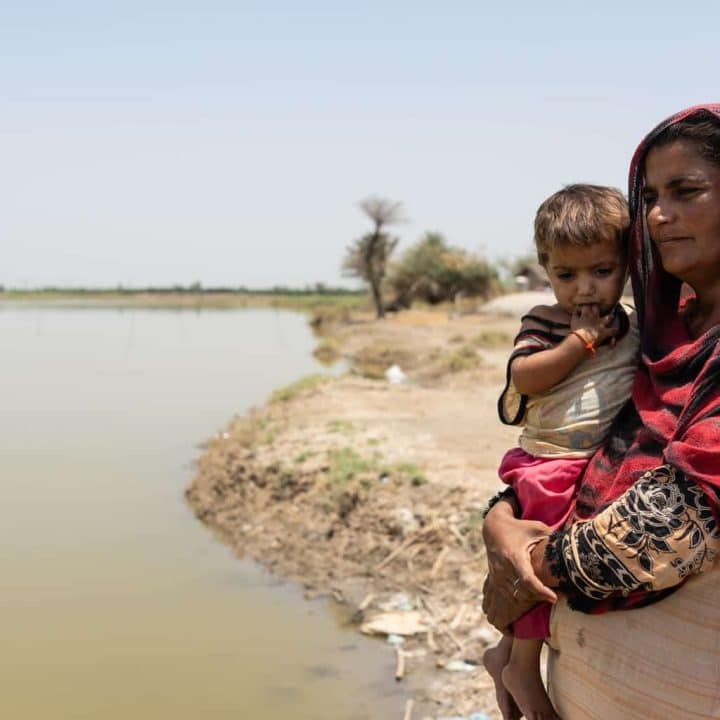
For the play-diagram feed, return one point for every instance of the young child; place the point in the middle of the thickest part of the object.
(570, 372)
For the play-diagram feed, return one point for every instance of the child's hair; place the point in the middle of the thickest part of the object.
(580, 215)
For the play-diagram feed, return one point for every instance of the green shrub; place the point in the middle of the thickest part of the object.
(346, 464)
(294, 390)
(434, 272)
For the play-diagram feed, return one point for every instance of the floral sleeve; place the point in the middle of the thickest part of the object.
(653, 537)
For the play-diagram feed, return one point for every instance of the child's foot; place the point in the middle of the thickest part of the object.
(529, 693)
(495, 659)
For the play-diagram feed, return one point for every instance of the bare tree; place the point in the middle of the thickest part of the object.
(367, 257)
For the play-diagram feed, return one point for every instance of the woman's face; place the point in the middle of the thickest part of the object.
(682, 205)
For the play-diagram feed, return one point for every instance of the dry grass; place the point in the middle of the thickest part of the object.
(327, 351)
(492, 339)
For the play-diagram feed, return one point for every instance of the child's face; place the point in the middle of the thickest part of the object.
(590, 275)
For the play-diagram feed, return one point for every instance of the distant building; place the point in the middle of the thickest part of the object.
(531, 275)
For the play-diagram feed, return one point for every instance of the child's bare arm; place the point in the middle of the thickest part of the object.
(537, 373)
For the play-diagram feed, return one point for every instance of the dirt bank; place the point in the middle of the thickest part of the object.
(372, 492)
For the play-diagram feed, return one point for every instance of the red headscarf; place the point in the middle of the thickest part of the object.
(674, 416)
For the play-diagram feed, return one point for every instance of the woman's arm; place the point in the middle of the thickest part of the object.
(655, 535)
(511, 588)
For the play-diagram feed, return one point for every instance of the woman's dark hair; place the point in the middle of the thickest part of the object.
(702, 129)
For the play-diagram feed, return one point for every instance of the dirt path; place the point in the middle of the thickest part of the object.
(373, 492)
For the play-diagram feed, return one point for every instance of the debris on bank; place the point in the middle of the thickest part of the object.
(319, 488)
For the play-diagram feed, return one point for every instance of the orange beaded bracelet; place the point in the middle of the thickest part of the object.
(589, 344)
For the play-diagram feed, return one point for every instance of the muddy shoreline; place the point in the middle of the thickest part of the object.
(372, 492)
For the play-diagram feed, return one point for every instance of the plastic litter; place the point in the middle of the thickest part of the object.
(397, 601)
(486, 635)
(405, 520)
(396, 623)
(394, 639)
(395, 375)
(460, 666)
(417, 653)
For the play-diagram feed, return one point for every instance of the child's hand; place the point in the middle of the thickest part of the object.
(587, 321)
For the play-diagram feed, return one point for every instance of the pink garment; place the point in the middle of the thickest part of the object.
(545, 488)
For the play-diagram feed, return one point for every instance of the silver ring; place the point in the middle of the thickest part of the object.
(515, 592)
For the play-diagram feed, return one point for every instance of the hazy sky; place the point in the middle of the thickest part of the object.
(230, 142)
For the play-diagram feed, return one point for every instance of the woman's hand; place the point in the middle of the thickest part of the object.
(512, 587)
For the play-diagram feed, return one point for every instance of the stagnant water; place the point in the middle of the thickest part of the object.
(115, 602)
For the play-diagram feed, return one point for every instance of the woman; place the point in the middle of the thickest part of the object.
(646, 520)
